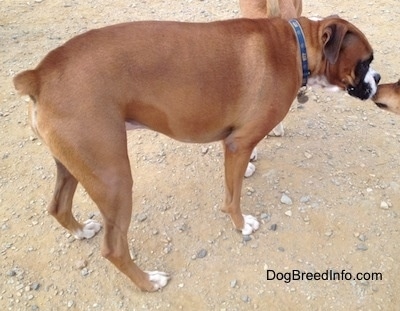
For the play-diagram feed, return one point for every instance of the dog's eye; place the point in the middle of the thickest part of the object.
(365, 65)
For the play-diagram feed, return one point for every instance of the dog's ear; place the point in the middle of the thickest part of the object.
(332, 38)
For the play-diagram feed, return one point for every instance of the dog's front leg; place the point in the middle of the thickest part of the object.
(236, 160)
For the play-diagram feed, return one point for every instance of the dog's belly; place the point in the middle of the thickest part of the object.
(187, 135)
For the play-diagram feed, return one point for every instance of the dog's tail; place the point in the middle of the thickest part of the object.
(273, 8)
(27, 83)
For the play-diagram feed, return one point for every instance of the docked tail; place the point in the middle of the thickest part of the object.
(27, 83)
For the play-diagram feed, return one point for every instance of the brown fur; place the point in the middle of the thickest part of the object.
(388, 97)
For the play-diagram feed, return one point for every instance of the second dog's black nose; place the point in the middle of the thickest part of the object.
(377, 78)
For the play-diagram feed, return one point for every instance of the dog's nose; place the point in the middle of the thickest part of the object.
(377, 78)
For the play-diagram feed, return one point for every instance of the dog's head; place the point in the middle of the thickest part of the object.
(347, 56)
(388, 97)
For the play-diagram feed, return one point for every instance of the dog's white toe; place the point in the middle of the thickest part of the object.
(251, 224)
(278, 130)
(158, 278)
(251, 168)
(90, 228)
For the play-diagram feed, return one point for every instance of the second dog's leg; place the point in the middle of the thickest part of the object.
(235, 166)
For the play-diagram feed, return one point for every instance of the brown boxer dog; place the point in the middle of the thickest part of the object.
(388, 97)
(231, 80)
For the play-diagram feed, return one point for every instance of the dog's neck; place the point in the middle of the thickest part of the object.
(303, 50)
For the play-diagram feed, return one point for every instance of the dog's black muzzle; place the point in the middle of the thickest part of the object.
(364, 90)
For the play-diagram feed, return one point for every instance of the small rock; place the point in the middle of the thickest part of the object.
(250, 190)
(35, 286)
(246, 238)
(233, 283)
(168, 248)
(329, 233)
(362, 247)
(246, 298)
(202, 253)
(85, 272)
(384, 205)
(273, 227)
(70, 303)
(288, 213)
(362, 237)
(11, 273)
(204, 149)
(265, 216)
(80, 264)
(141, 217)
(305, 199)
(286, 200)
(308, 155)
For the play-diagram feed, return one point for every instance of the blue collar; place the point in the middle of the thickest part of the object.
(303, 50)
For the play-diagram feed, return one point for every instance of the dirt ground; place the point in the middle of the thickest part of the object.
(338, 163)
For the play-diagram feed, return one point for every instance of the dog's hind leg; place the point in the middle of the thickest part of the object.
(98, 159)
(61, 205)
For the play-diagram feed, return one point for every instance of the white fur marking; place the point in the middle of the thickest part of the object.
(278, 130)
(370, 79)
(321, 81)
(131, 125)
(34, 124)
(251, 168)
(158, 278)
(251, 224)
(315, 18)
(90, 228)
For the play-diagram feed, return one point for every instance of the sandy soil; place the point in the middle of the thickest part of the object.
(338, 163)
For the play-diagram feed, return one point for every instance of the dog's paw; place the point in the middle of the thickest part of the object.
(89, 229)
(158, 278)
(278, 130)
(251, 224)
(251, 168)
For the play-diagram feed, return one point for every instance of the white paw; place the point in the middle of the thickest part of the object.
(158, 278)
(278, 130)
(251, 224)
(90, 228)
(251, 168)
(253, 156)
